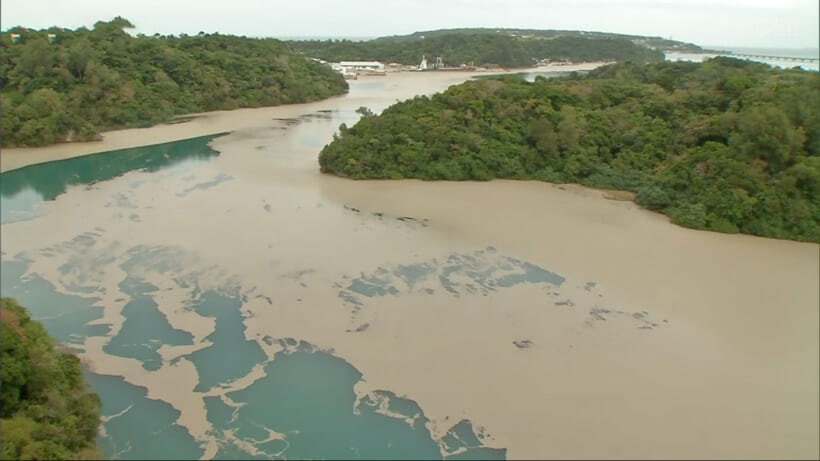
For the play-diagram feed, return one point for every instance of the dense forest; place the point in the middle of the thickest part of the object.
(481, 48)
(46, 410)
(726, 145)
(63, 85)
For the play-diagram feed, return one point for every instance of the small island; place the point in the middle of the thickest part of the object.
(725, 145)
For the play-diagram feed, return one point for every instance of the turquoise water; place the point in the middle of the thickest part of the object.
(142, 428)
(413, 273)
(484, 270)
(230, 356)
(69, 322)
(300, 386)
(306, 394)
(145, 329)
(22, 189)
(375, 285)
(66, 317)
(20, 205)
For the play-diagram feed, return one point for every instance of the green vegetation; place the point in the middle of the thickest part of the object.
(46, 411)
(651, 42)
(505, 47)
(81, 82)
(726, 145)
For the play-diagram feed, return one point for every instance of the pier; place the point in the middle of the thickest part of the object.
(774, 58)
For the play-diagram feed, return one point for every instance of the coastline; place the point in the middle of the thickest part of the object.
(737, 360)
(206, 123)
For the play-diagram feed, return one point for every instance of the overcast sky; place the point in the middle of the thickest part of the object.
(753, 23)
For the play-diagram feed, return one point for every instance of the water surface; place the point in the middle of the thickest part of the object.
(243, 305)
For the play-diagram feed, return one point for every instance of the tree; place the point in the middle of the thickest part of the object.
(106, 79)
(46, 411)
(724, 145)
(364, 111)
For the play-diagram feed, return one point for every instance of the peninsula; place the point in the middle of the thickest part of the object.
(724, 145)
(63, 85)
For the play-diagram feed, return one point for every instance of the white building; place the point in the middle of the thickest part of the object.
(355, 66)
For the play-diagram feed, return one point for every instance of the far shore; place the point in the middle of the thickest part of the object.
(206, 123)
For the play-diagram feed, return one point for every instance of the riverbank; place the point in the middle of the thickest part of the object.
(201, 124)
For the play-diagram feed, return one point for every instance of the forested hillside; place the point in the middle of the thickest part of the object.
(480, 48)
(46, 410)
(727, 145)
(659, 43)
(73, 84)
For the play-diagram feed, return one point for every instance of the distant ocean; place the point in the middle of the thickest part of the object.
(787, 52)
(779, 52)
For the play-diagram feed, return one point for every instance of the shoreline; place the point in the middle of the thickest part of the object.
(206, 123)
(737, 360)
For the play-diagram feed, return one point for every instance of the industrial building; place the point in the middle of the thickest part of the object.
(359, 66)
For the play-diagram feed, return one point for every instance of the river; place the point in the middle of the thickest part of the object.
(232, 302)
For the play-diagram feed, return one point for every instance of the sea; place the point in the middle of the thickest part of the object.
(804, 58)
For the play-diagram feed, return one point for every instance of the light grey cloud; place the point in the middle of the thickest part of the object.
(761, 23)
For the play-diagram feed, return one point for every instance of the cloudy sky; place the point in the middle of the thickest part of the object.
(753, 23)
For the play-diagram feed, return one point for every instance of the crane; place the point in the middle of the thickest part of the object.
(423, 65)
